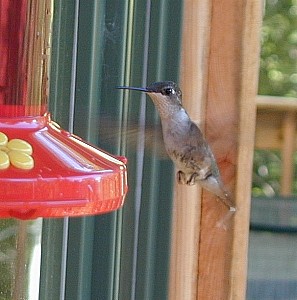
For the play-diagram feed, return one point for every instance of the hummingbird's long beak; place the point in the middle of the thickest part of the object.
(133, 88)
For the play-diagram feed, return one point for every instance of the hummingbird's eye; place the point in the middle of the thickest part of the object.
(168, 91)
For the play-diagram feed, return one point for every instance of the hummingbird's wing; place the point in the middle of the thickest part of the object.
(128, 136)
(198, 154)
(203, 160)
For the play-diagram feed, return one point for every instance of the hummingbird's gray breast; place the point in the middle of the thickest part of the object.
(177, 138)
(186, 145)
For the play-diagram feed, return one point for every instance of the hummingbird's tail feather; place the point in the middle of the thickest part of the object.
(225, 221)
(215, 186)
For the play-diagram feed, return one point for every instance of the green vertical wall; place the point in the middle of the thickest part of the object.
(118, 42)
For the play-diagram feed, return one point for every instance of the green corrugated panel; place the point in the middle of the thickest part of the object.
(119, 42)
(156, 193)
(52, 232)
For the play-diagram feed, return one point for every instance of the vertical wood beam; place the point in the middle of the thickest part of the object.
(252, 14)
(288, 150)
(187, 206)
(219, 79)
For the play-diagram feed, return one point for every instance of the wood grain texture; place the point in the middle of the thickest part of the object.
(288, 151)
(250, 57)
(219, 81)
(187, 206)
(222, 113)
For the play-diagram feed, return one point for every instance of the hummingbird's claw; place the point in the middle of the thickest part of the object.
(181, 178)
(191, 179)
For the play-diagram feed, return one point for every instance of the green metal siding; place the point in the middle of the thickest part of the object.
(119, 42)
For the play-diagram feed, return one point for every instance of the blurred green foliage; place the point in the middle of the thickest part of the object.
(278, 77)
(278, 69)
(266, 173)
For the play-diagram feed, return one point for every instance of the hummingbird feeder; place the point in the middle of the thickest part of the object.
(44, 170)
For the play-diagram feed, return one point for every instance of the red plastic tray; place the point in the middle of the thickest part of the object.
(69, 177)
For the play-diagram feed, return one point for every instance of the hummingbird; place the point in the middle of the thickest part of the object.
(184, 141)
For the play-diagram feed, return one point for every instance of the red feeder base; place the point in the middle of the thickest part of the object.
(48, 172)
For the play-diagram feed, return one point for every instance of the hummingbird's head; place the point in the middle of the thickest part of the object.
(163, 93)
(166, 90)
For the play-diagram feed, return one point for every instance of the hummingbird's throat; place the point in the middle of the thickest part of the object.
(165, 107)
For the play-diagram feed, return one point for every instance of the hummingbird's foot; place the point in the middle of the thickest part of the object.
(192, 179)
(181, 177)
(201, 175)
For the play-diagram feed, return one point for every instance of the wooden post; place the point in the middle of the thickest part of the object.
(288, 150)
(187, 206)
(221, 54)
